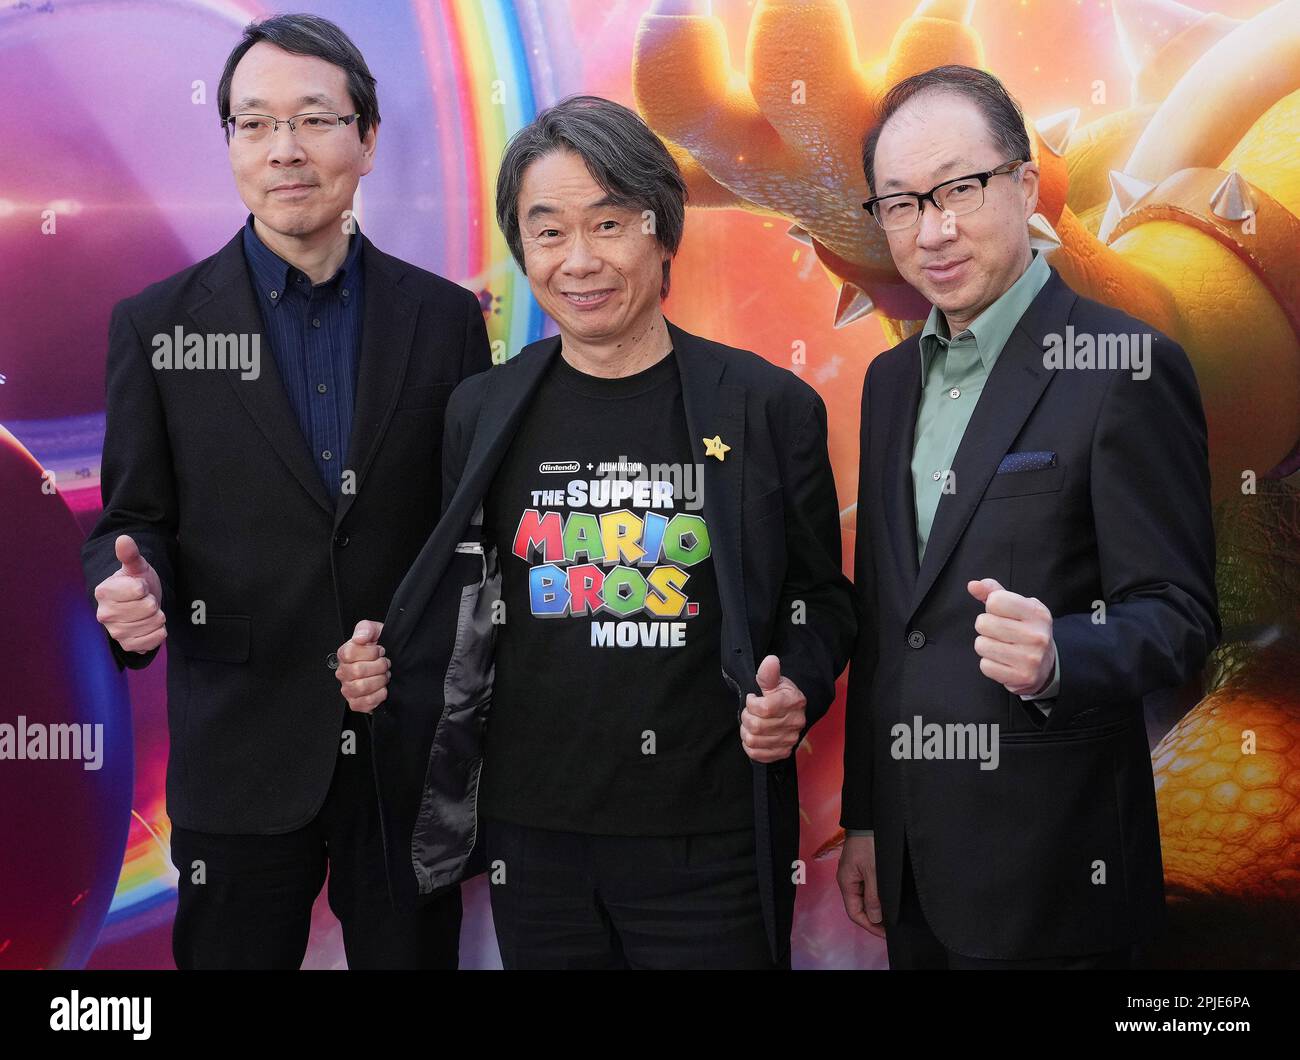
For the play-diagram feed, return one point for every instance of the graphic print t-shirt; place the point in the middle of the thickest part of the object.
(609, 712)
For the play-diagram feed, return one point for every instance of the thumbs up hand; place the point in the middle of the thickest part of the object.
(363, 668)
(771, 722)
(130, 601)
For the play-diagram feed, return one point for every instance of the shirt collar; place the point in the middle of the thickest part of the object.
(272, 274)
(994, 326)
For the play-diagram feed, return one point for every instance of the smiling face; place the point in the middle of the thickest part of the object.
(965, 265)
(591, 265)
(296, 186)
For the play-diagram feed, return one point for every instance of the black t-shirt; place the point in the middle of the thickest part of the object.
(609, 711)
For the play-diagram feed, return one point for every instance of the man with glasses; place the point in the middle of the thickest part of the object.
(271, 467)
(1034, 555)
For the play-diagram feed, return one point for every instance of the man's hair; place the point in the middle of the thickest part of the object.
(308, 35)
(1006, 123)
(624, 157)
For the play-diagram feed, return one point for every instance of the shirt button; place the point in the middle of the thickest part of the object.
(345, 292)
(341, 539)
(916, 639)
(937, 476)
(298, 278)
(321, 388)
(275, 294)
(326, 454)
(955, 392)
(316, 322)
(332, 660)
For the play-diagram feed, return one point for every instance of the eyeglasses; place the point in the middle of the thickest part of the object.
(253, 128)
(957, 196)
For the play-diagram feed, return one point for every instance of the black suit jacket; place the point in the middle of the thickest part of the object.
(1009, 862)
(211, 475)
(774, 522)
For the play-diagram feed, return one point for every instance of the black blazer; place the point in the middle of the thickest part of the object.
(211, 475)
(1008, 861)
(774, 522)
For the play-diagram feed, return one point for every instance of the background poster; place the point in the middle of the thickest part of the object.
(1169, 138)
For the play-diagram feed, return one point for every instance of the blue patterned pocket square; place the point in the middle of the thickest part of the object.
(1026, 462)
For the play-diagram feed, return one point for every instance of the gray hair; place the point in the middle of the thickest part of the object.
(308, 35)
(1002, 114)
(628, 161)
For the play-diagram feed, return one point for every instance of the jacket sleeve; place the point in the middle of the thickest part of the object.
(1150, 485)
(814, 630)
(137, 483)
(855, 799)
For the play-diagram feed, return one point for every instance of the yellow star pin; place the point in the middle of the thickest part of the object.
(715, 446)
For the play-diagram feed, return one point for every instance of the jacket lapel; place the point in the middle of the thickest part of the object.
(387, 330)
(899, 500)
(1013, 389)
(230, 307)
(509, 390)
(714, 409)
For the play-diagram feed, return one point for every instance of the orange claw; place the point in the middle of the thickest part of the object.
(785, 139)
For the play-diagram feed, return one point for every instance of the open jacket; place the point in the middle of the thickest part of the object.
(1103, 514)
(210, 474)
(773, 519)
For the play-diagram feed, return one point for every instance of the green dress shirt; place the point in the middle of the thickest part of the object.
(953, 373)
(954, 370)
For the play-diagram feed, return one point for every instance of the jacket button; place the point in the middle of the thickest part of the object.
(332, 660)
(341, 539)
(916, 639)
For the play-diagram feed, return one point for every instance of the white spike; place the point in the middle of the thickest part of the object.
(1042, 236)
(854, 304)
(1056, 129)
(1128, 190)
(1232, 199)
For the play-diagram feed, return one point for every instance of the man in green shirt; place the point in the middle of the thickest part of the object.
(1034, 555)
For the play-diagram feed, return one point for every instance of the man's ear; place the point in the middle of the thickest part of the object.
(368, 147)
(1029, 182)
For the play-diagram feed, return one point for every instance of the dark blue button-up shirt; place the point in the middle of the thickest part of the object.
(315, 336)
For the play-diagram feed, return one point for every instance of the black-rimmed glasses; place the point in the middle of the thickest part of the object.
(957, 196)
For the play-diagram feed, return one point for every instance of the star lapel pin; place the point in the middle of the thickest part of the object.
(715, 446)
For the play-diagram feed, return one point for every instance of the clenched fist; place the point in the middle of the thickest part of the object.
(363, 669)
(1015, 643)
(130, 601)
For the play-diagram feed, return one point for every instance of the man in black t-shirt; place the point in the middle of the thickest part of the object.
(608, 584)
(632, 610)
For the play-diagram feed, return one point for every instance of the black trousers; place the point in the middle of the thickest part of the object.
(570, 900)
(245, 901)
(912, 944)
